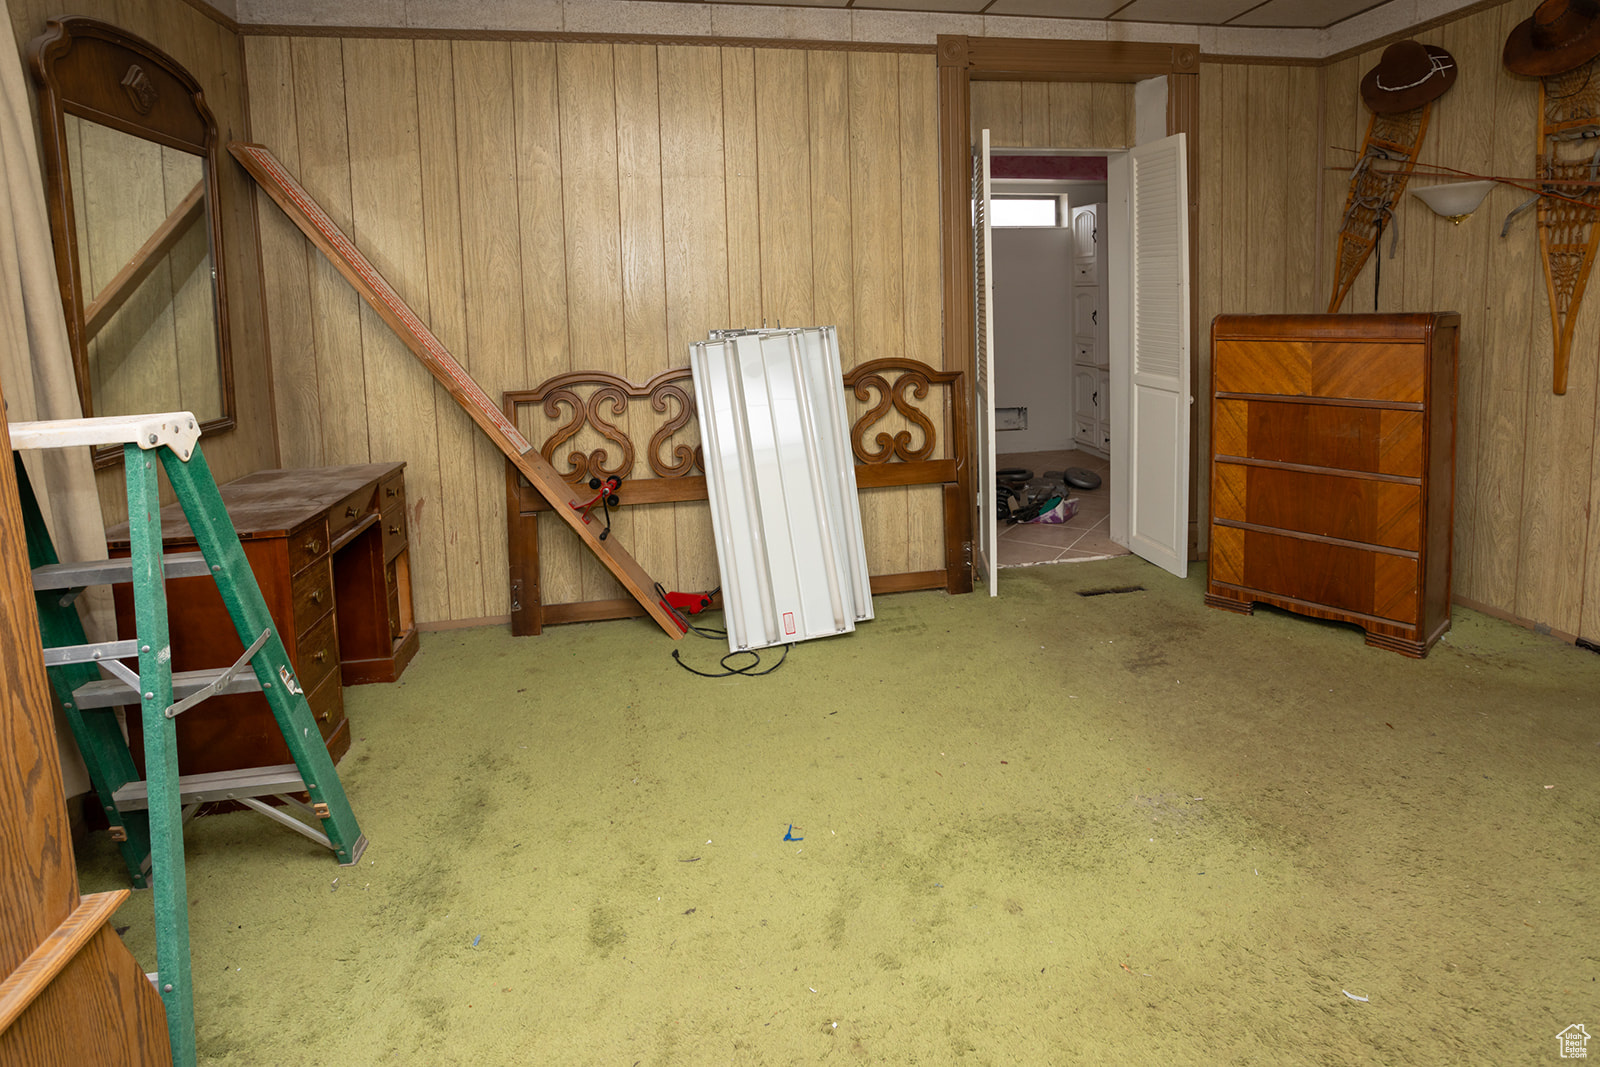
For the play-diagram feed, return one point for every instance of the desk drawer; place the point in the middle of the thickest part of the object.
(394, 532)
(307, 544)
(392, 492)
(349, 511)
(327, 705)
(1368, 510)
(313, 595)
(316, 653)
(1371, 440)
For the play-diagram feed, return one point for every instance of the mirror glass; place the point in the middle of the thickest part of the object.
(130, 155)
(149, 319)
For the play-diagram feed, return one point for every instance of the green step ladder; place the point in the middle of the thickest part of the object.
(147, 816)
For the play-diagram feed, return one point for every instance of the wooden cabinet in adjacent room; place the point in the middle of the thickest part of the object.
(328, 548)
(1333, 469)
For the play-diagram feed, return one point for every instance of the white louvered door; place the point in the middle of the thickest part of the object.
(1150, 389)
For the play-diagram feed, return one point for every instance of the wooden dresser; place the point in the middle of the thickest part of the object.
(328, 548)
(1333, 469)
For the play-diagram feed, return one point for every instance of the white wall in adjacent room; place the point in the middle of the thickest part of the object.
(1033, 335)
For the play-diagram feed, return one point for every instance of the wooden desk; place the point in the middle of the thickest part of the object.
(328, 547)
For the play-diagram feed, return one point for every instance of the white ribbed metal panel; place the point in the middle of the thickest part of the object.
(781, 477)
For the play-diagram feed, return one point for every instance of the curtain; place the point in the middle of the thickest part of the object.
(36, 362)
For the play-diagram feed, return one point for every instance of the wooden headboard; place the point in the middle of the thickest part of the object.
(589, 424)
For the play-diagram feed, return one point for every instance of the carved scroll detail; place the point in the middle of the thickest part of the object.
(662, 397)
(141, 90)
(600, 401)
(584, 465)
(892, 380)
(899, 445)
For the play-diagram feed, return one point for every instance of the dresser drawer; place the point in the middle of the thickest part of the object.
(313, 595)
(306, 544)
(1354, 370)
(1365, 581)
(1369, 510)
(316, 653)
(1371, 440)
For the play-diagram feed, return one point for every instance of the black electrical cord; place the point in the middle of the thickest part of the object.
(748, 670)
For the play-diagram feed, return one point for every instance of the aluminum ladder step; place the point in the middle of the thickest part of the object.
(111, 571)
(220, 785)
(112, 693)
(246, 787)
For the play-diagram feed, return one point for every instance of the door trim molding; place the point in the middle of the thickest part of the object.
(964, 59)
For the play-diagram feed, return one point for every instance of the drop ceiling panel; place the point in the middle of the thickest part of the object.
(966, 7)
(1061, 9)
(1197, 12)
(786, 3)
(1299, 13)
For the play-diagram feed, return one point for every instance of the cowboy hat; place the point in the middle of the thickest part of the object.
(1561, 35)
(1407, 76)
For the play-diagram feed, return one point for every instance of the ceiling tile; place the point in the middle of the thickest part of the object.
(966, 7)
(1298, 13)
(1195, 12)
(775, 14)
(1061, 9)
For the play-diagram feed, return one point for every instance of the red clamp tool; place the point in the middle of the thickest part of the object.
(606, 497)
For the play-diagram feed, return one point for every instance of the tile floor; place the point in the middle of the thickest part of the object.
(1086, 536)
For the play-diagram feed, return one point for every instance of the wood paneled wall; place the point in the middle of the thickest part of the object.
(1527, 532)
(1035, 114)
(588, 205)
(1255, 163)
(554, 207)
(211, 52)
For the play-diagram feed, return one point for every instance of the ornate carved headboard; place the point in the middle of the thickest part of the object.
(589, 424)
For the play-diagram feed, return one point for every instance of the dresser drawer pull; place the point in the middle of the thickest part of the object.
(389, 491)
(394, 529)
(313, 545)
(351, 512)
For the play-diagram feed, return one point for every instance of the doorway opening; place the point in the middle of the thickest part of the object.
(1052, 366)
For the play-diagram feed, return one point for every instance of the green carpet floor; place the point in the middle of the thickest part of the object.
(1046, 828)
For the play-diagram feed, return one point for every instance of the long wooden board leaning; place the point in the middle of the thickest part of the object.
(323, 232)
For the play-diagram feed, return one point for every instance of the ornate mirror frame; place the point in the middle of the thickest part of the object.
(97, 72)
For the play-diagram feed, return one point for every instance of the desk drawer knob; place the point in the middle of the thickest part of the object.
(394, 529)
(313, 545)
(351, 512)
(320, 655)
(315, 596)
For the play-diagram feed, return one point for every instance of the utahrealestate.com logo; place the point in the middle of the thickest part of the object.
(1574, 1042)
